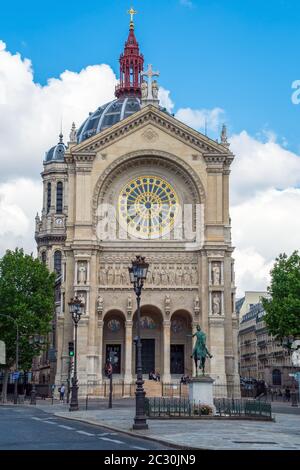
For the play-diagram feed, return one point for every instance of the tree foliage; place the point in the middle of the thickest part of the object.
(283, 307)
(27, 295)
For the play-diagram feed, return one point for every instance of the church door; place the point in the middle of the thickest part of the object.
(177, 359)
(148, 355)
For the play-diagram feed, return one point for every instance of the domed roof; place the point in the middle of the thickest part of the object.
(56, 153)
(108, 115)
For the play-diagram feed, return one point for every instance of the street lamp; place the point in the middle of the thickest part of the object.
(34, 340)
(138, 273)
(76, 312)
(17, 356)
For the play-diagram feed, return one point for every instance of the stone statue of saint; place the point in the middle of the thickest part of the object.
(144, 88)
(73, 134)
(110, 276)
(117, 276)
(100, 303)
(216, 304)
(81, 297)
(216, 275)
(82, 273)
(197, 303)
(200, 351)
(129, 303)
(155, 89)
(167, 302)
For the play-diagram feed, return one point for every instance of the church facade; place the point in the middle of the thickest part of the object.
(133, 180)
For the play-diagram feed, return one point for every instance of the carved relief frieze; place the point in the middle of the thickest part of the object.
(162, 272)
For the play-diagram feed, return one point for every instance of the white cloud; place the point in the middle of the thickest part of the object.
(262, 227)
(20, 200)
(30, 114)
(260, 166)
(165, 99)
(198, 118)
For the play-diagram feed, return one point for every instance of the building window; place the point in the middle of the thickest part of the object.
(276, 375)
(48, 197)
(57, 262)
(59, 198)
(44, 257)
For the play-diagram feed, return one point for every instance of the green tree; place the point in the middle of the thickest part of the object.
(27, 295)
(283, 307)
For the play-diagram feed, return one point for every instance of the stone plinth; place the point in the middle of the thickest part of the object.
(201, 390)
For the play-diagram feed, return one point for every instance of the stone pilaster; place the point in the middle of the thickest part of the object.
(128, 352)
(166, 342)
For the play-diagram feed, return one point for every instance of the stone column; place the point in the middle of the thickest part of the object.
(128, 352)
(166, 348)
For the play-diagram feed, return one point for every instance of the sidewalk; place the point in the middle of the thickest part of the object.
(284, 434)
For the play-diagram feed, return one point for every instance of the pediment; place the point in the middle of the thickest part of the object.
(159, 120)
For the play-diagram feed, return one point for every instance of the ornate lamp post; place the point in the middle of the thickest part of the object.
(138, 273)
(76, 312)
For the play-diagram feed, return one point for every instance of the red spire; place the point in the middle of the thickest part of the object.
(131, 66)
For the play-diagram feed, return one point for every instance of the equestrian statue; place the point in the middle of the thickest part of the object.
(200, 351)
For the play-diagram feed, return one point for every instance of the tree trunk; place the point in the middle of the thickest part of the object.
(4, 386)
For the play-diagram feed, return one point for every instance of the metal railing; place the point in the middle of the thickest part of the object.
(226, 408)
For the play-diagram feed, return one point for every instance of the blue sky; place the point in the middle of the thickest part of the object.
(241, 56)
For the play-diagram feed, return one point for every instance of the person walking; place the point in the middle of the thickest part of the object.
(62, 392)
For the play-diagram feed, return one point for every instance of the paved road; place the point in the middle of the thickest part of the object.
(25, 428)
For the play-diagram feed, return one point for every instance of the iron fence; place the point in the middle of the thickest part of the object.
(226, 408)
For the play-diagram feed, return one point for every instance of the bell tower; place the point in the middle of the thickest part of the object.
(131, 65)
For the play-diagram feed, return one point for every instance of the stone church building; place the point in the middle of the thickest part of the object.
(134, 180)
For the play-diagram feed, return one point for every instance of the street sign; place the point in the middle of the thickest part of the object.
(2, 353)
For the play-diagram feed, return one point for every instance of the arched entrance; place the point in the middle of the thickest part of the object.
(181, 344)
(114, 340)
(152, 339)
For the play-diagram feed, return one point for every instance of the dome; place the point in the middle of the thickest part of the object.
(56, 153)
(108, 115)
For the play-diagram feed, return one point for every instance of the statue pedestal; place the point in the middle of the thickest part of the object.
(201, 390)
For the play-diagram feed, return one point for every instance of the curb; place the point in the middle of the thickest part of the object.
(131, 433)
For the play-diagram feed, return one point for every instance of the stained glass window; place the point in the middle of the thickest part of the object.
(148, 207)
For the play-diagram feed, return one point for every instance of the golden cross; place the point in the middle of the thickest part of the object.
(132, 12)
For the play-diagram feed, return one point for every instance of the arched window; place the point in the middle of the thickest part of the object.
(59, 198)
(57, 262)
(48, 197)
(44, 257)
(276, 375)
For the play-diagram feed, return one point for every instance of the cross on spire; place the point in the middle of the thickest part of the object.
(150, 74)
(132, 12)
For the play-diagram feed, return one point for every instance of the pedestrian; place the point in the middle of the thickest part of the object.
(287, 394)
(62, 393)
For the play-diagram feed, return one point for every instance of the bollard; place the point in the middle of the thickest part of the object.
(33, 396)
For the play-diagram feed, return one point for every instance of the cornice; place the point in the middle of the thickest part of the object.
(149, 114)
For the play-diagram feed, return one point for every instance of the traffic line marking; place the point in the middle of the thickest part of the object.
(85, 433)
(66, 427)
(111, 440)
(107, 434)
(138, 448)
(49, 422)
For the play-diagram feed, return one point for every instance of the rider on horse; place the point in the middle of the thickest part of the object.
(200, 351)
